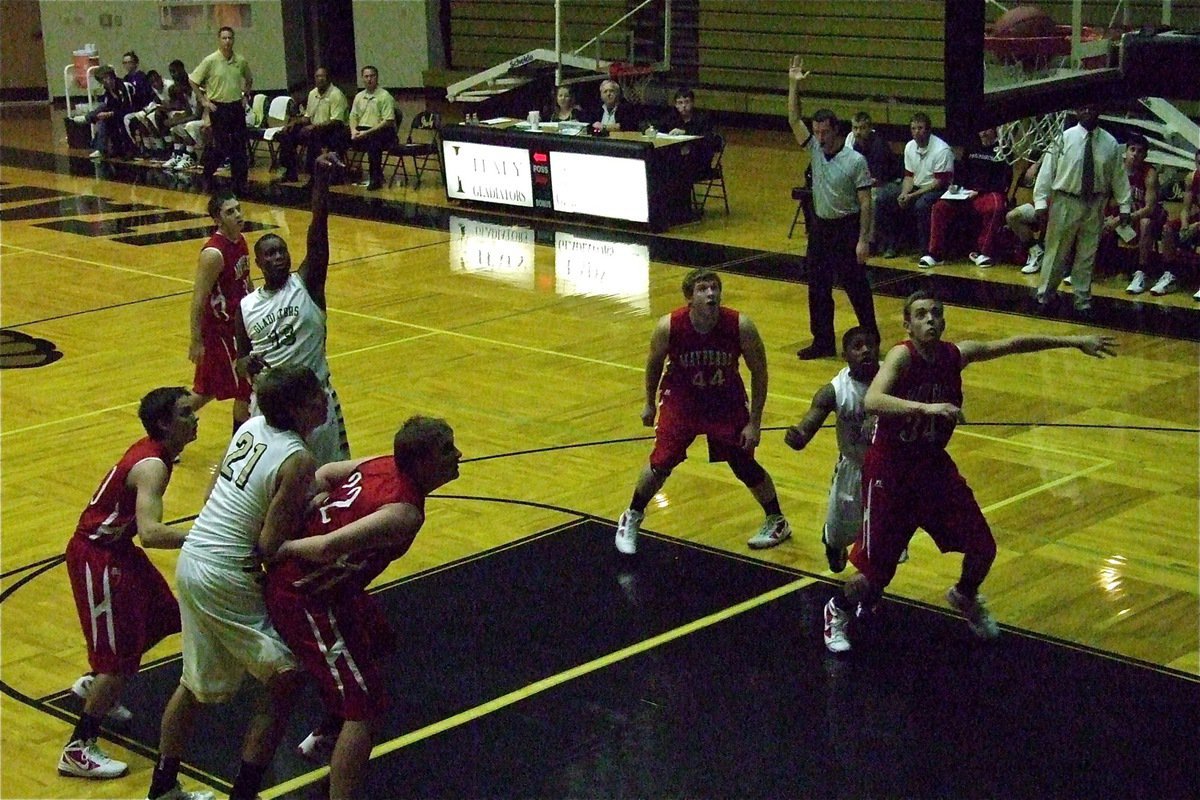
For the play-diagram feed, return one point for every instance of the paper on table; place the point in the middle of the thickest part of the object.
(496, 120)
(960, 194)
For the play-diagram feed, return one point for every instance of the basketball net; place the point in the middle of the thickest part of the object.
(1027, 138)
(634, 80)
(1030, 137)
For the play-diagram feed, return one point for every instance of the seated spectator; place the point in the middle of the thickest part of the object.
(1147, 218)
(988, 175)
(614, 114)
(322, 125)
(928, 170)
(684, 118)
(184, 121)
(882, 162)
(109, 116)
(1022, 221)
(1182, 235)
(564, 107)
(140, 81)
(145, 125)
(373, 125)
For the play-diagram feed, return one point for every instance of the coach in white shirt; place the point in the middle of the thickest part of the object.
(1080, 176)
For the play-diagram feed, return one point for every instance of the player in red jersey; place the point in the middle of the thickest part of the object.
(124, 604)
(702, 394)
(316, 588)
(910, 481)
(222, 280)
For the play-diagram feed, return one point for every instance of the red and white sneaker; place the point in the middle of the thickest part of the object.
(775, 529)
(628, 528)
(979, 619)
(84, 759)
(837, 624)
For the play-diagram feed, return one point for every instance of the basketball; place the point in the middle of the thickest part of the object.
(1024, 22)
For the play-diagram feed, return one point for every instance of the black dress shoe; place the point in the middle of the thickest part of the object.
(374, 184)
(815, 350)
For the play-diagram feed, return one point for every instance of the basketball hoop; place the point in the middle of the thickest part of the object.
(1012, 61)
(1028, 138)
(633, 78)
(1040, 53)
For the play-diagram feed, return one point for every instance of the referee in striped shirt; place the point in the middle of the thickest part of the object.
(839, 242)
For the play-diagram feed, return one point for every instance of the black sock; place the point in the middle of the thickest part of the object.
(87, 728)
(639, 503)
(772, 508)
(249, 778)
(166, 775)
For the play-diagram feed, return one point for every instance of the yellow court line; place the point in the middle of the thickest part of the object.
(1047, 486)
(99, 264)
(1028, 445)
(1102, 463)
(381, 345)
(484, 340)
(548, 683)
(527, 348)
(66, 420)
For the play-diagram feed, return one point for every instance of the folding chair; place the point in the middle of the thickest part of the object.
(255, 125)
(278, 114)
(711, 180)
(423, 144)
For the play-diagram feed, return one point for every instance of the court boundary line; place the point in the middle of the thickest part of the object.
(550, 682)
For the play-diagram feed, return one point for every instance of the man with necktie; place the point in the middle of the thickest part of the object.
(1080, 176)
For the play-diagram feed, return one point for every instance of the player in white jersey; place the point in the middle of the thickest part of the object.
(284, 320)
(843, 396)
(258, 498)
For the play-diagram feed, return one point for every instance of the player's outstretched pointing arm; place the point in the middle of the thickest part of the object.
(315, 268)
(1095, 346)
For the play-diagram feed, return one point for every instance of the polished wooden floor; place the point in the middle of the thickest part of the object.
(1086, 469)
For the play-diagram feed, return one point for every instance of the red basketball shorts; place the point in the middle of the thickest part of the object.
(216, 374)
(900, 496)
(340, 645)
(679, 426)
(125, 606)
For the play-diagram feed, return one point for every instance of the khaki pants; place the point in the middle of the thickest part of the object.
(1072, 221)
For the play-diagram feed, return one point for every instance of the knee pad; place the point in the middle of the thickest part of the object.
(747, 470)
